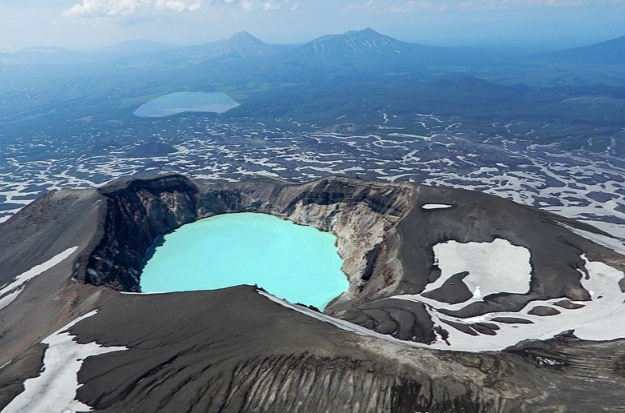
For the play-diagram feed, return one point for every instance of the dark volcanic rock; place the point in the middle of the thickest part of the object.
(453, 290)
(512, 320)
(313, 368)
(465, 328)
(544, 311)
(569, 364)
(137, 215)
(569, 305)
(401, 319)
(485, 328)
(12, 376)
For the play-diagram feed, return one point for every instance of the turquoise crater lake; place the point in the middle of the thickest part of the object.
(297, 263)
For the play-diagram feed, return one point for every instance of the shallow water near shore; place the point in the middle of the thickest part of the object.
(297, 263)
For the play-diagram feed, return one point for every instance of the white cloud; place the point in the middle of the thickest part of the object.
(251, 5)
(399, 7)
(502, 4)
(403, 6)
(110, 8)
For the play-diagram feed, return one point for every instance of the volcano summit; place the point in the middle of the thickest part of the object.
(457, 302)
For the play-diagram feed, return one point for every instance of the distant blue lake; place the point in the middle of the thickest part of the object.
(180, 102)
(297, 263)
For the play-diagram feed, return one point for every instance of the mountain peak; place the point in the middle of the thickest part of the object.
(369, 30)
(364, 33)
(240, 45)
(244, 37)
(362, 44)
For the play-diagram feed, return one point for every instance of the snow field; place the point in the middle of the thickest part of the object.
(506, 268)
(55, 388)
(10, 292)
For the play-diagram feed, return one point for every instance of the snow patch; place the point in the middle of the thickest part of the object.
(502, 267)
(6, 364)
(493, 267)
(429, 207)
(588, 323)
(55, 388)
(10, 297)
(612, 243)
(11, 291)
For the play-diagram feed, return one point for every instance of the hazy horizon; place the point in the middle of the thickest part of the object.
(86, 24)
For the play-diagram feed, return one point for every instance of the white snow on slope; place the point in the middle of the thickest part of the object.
(55, 389)
(493, 267)
(429, 207)
(601, 319)
(612, 243)
(9, 292)
(10, 297)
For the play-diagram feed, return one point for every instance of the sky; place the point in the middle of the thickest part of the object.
(536, 24)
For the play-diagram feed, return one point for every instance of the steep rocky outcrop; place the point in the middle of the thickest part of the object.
(362, 215)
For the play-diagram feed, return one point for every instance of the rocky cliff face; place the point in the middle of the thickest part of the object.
(363, 217)
(137, 214)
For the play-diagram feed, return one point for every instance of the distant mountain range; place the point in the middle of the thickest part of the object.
(611, 52)
(362, 47)
(131, 48)
(40, 55)
(58, 55)
(354, 46)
